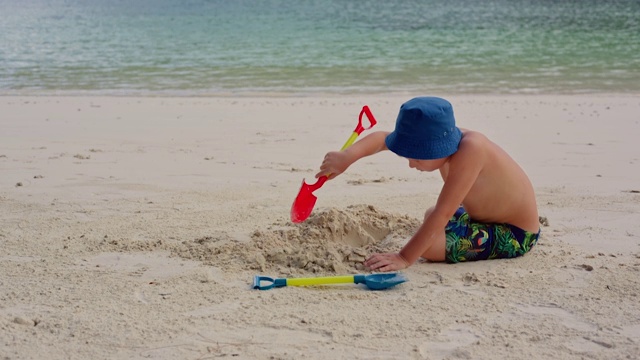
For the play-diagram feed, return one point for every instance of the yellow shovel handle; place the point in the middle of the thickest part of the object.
(351, 140)
(347, 279)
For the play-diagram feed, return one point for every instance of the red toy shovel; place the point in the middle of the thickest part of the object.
(304, 202)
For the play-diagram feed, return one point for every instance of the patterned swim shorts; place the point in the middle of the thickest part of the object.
(468, 240)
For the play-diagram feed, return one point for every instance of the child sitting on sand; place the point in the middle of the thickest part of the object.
(486, 208)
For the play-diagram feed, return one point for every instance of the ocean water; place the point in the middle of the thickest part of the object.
(209, 47)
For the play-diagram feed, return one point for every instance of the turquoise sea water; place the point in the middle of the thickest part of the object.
(203, 47)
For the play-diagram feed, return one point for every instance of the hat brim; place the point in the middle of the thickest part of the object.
(422, 149)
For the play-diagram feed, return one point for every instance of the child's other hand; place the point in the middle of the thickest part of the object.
(386, 262)
(334, 164)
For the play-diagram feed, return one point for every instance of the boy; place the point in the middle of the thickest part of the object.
(486, 208)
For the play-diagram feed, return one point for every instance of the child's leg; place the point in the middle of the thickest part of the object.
(438, 249)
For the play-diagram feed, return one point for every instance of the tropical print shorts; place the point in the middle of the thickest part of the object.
(468, 240)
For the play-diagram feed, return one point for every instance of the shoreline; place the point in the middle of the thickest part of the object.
(311, 94)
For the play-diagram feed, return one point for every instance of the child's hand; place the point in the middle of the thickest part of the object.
(386, 262)
(334, 164)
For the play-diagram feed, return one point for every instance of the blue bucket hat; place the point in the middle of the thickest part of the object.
(425, 130)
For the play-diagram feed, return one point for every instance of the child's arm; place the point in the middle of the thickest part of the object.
(336, 162)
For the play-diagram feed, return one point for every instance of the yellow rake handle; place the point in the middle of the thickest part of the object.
(347, 279)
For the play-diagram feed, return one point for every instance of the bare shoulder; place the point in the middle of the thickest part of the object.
(478, 145)
(474, 138)
(470, 154)
(473, 145)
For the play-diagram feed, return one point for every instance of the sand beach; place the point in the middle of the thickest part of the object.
(132, 227)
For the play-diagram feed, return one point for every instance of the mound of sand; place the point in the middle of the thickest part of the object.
(331, 241)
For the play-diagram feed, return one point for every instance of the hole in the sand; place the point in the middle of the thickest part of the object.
(333, 240)
(350, 228)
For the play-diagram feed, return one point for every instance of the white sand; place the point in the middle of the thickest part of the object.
(131, 228)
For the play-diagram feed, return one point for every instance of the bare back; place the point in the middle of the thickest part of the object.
(502, 192)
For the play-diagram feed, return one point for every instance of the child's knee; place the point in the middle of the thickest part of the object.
(437, 252)
(438, 249)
